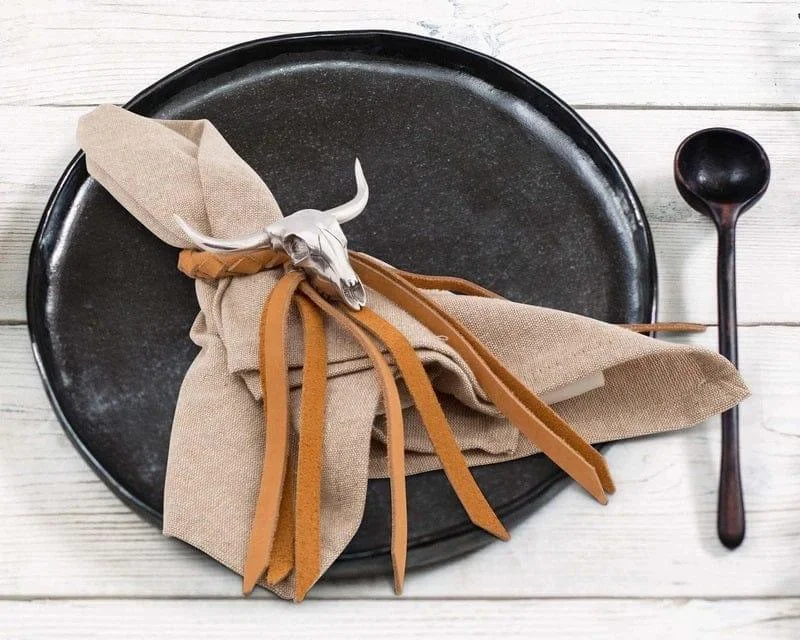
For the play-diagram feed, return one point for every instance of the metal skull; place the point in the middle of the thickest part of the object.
(312, 239)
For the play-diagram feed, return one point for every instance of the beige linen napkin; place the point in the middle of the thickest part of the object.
(158, 168)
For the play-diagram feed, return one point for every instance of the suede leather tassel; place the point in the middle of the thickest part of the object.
(435, 422)
(285, 534)
(395, 439)
(281, 559)
(309, 459)
(275, 385)
(265, 535)
(540, 424)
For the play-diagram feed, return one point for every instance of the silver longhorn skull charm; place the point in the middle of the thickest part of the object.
(312, 239)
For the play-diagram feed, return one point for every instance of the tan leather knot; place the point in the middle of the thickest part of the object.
(213, 266)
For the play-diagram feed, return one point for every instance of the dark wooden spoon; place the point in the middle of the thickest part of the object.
(722, 173)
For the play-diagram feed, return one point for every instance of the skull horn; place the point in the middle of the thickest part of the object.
(216, 245)
(349, 210)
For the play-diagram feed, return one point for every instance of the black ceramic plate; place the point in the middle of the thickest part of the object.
(475, 170)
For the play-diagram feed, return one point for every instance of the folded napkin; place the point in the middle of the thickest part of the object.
(159, 168)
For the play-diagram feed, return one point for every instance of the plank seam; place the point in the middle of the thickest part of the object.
(777, 107)
(405, 598)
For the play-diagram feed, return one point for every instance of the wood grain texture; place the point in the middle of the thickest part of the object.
(777, 619)
(65, 535)
(652, 52)
(36, 143)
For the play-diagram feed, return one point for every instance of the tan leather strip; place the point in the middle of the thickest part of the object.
(395, 440)
(310, 450)
(591, 473)
(669, 327)
(275, 387)
(212, 266)
(281, 560)
(465, 287)
(444, 443)
(202, 264)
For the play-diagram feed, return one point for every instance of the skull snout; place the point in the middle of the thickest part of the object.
(353, 292)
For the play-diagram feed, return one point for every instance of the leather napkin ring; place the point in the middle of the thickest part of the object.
(290, 493)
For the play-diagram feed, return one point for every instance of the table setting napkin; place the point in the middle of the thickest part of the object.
(607, 382)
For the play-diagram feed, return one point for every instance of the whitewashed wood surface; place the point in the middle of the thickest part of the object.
(75, 563)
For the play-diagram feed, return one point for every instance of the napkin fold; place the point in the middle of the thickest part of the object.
(159, 168)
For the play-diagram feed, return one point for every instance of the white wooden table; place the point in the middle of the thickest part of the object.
(75, 563)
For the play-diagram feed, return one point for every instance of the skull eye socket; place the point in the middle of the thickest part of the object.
(296, 247)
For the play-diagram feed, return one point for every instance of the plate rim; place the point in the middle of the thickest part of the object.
(159, 91)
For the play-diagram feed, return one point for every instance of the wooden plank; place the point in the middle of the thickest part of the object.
(612, 53)
(65, 535)
(35, 146)
(37, 142)
(564, 619)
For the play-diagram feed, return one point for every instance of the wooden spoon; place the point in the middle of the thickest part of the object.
(722, 173)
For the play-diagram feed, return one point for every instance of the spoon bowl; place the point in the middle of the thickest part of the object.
(721, 169)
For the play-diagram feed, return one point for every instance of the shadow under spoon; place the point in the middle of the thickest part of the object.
(722, 173)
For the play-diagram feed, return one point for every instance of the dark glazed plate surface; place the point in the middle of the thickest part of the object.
(474, 170)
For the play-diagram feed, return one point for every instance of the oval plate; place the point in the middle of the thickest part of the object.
(475, 170)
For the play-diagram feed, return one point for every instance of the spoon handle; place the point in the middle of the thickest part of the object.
(730, 510)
